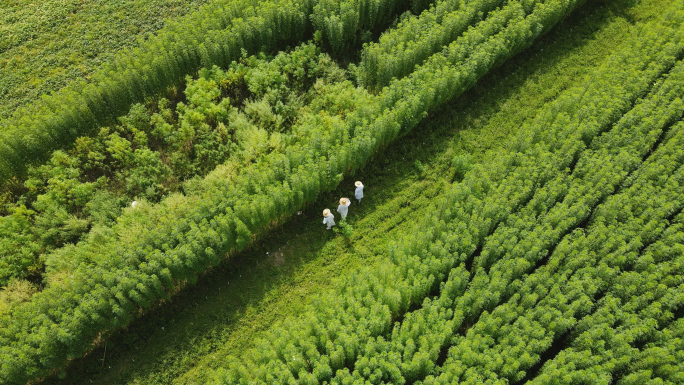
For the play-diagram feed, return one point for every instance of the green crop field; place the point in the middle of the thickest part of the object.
(46, 44)
(521, 221)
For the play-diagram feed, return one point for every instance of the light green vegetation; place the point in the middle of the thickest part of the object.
(46, 44)
(231, 305)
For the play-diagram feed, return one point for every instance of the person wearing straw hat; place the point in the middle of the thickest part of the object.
(328, 219)
(343, 208)
(358, 194)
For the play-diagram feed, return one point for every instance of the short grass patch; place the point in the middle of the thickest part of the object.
(48, 43)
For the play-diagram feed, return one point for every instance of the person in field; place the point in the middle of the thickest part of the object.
(328, 219)
(358, 194)
(343, 208)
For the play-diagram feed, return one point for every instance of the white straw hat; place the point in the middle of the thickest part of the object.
(326, 212)
(358, 183)
(344, 201)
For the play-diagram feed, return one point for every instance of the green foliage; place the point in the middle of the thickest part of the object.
(15, 293)
(48, 43)
(420, 168)
(151, 152)
(218, 34)
(498, 209)
(461, 165)
(415, 39)
(263, 289)
(186, 235)
(344, 228)
(343, 25)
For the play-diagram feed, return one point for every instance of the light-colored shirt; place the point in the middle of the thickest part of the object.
(329, 220)
(343, 209)
(358, 194)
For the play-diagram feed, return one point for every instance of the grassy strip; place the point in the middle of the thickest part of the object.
(48, 43)
(238, 307)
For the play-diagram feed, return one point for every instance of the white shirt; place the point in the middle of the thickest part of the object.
(343, 209)
(329, 220)
(358, 194)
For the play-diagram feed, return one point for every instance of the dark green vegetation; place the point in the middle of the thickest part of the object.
(217, 34)
(230, 118)
(221, 315)
(48, 43)
(511, 263)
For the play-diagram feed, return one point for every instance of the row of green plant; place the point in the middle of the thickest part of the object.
(237, 115)
(583, 268)
(400, 49)
(344, 24)
(607, 344)
(228, 308)
(32, 231)
(521, 243)
(48, 43)
(217, 34)
(358, 318)
(184, 235)
(661, 357)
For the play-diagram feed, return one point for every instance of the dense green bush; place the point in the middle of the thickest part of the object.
(237, 115)
(215, 35)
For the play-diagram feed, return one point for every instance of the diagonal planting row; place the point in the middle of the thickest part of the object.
(661, 354)
(345, 324)
(585, 271)
(217, 34)
(414, 40)
(343, 23)
(524, 239)
(605, 345)
(188, 234)
(661, 360)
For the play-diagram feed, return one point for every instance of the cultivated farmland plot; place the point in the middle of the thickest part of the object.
(544, 247)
